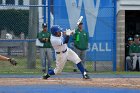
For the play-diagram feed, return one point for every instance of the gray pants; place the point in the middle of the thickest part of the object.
(129, 62)
(82, 55)
(135, 59)
(46, 54)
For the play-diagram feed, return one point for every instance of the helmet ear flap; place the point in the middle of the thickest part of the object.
(55, 33)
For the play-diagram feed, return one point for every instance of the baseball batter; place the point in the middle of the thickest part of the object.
(59, 42)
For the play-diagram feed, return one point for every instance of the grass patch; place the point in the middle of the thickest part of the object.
(21, 68)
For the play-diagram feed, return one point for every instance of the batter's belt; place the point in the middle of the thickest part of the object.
(61, 52)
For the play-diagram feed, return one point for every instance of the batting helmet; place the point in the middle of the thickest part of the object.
(55, 28)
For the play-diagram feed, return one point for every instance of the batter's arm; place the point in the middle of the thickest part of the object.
(66, 39)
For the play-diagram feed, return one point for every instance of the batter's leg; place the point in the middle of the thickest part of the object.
(72, 56)
(61, 59)
(60, 62)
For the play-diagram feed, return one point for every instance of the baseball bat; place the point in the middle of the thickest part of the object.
(69, 31)
(80, 20)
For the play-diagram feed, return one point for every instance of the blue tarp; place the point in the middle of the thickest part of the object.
(63, 89)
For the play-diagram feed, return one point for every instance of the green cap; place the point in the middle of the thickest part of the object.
(130, 39)
(44, 25)
(136, 36)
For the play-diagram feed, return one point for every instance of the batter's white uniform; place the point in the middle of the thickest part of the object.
(63, 53)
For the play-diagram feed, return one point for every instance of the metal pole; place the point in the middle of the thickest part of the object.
(44, 3)
(49, 21)
(33, 27)
(94, 65)
(114, 36)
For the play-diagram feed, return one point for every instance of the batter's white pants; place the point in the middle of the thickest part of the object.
(62, 58)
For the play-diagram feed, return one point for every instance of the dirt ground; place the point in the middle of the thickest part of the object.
(95, 82)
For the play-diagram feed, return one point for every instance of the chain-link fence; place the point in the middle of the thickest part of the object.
(20, 23)
(18, 30)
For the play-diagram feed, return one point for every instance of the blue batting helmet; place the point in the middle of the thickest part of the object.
(55, 28)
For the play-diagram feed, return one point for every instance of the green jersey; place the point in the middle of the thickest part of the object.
(127, 49)
(80, 39)
(42, 35)
(134, 48)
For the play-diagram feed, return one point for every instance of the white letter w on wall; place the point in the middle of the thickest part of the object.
(91, 12)
(73, 10)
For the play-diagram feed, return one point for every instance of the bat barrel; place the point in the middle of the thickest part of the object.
(80, 20)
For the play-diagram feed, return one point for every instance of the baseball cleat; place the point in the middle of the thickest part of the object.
(46, 76)
(85, 76)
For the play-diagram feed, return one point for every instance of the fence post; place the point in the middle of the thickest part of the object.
(33, 27)
(114, 37)
(49, 21)
(94, 66)
(44, 10)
